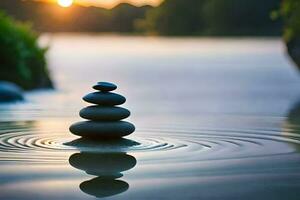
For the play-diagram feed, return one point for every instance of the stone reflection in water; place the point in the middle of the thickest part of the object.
(107, 166)
(100, 187)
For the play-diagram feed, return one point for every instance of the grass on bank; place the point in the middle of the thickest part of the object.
(22, 60)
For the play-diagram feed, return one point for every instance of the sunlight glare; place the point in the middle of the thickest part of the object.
(65, 3)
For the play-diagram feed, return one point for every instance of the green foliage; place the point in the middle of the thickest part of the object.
(240, 17)
(124, 15)
(22, 60)
(213, 17)
(175, 17)
(290, 10)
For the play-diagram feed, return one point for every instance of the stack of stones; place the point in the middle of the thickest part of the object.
(104, 118)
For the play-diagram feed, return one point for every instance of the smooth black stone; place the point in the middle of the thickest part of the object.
(102, 130)
(10, 92)
(105, 86)
(104, 113)
(104, 98)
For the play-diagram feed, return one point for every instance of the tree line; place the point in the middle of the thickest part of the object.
(172, 17)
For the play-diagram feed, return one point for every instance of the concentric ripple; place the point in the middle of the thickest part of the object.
(24, 143)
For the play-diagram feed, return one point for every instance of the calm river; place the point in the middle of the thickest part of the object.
(215, 119)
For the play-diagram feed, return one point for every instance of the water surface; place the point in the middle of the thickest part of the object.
(215, 119)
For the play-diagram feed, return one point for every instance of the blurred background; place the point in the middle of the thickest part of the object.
(225, 48)
(21, 21)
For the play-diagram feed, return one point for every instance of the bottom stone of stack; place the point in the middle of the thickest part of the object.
(97, 129)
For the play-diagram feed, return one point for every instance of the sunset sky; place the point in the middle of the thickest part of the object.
(111, 3)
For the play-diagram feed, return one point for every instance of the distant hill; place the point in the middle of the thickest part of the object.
(48, 17)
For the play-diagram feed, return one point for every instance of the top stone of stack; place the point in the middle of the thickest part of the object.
(104, 96)
(105, 86)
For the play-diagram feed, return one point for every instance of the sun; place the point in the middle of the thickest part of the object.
(65, 3)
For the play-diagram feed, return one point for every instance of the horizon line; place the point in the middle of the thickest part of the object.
(104, 6)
